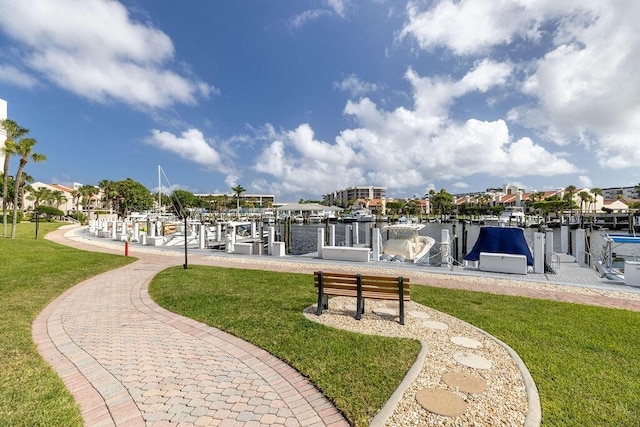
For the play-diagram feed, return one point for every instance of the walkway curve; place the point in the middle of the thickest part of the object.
(128, 361)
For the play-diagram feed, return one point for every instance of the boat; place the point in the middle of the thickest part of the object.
(268, 217)
(512, 216)
(315, 218)
(617, 251)
(500, 241)
(347, 218)
(404, 243)
(363, 215)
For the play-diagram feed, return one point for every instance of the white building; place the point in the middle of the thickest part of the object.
(625, 192)
(3, 134)
(67, 206)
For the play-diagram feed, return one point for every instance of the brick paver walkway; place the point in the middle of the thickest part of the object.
(130, 362)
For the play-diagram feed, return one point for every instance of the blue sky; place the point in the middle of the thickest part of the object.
(301, 98)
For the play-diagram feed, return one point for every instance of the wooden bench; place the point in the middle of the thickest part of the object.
(361, 287)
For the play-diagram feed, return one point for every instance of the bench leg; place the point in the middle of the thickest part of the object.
(359, 299)
(320, 294)
(401, 298)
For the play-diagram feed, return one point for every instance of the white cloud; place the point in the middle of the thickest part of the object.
(584, 83)
(585, 89)
(585, 182)
(406, 148)
(11, 75)
(306, 16)
(465, 27)
(355, 86)
(340, 7)
(334, 7)
(298, 162)
(95, 49)
(190, 145)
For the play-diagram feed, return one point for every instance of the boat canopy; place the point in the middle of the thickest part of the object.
(501, 240)
(624, 238)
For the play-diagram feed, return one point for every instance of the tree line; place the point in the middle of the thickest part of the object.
(17, 144)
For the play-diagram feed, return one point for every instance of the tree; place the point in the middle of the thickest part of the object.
(585, 197)
(58, 198)
(443, 202)
(131, 195)
(24, 149)
(87, 192)
(40, 195)
(25, 186)
(106, 187)
(187, 199)
(571, 189)
(637, 190)
(14, 132)
(237, 191)
(596, 192)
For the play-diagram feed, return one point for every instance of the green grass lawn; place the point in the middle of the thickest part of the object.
(585, 360)
(358, 372)
(32, 273)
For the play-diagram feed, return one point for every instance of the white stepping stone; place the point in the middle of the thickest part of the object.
(385, 311)
(350, 308)
(472, 360)
(418, 314)
(432, 324)
(466, 342)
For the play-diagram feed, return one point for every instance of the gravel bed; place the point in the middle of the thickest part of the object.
(504, 402)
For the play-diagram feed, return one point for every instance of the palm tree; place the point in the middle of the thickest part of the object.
(58, 198)
(40, 195)
(585, 196)
(75, 194)
(27, 180)
(237, 191)
(23, 149)
(13, 132)
(87, 192)
(569, 196)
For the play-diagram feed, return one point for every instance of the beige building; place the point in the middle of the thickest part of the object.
(345, 196)
(65, 204)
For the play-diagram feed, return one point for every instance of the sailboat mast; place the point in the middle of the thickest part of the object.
(159, 191)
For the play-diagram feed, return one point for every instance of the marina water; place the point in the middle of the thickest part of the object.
(305, 236)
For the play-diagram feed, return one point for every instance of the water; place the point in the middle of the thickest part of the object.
(305, 238)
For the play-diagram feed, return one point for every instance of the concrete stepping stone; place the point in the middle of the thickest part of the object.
(351, 308)
(472, 360)
(385, 312)
(441, 402)
(432, 324)
(466, 342)
(418, 314)
(464, 381)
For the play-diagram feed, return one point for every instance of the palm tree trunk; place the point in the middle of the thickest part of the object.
(16, 184)
(5, 192)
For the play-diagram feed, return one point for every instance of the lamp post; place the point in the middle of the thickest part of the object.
(185, 242)
(37, 223)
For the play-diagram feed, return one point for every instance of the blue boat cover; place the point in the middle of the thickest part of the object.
(502, 240)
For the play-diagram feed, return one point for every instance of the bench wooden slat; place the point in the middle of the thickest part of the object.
(361, 287)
